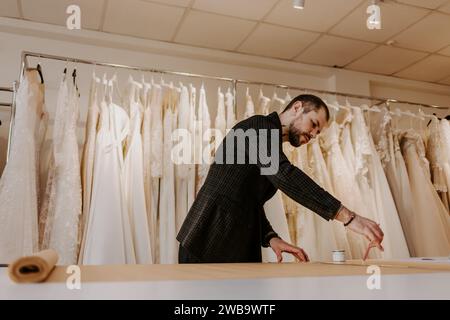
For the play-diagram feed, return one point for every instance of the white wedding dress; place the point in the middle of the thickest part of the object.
(168, 249)
(394, 241)
(87, 162)
(431, 225)
(133, 176)
(437, 156)
(18, 194)
(345, 189)
(63, 209)
(249, 106)
(108, 237)
(182, 170)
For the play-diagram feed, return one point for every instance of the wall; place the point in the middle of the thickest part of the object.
(17, 35)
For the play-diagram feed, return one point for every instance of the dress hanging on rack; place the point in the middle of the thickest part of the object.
(249, 106)
(394, 242)
(87, 162)
(167, 208)
(18, 195)
(182, 169)
(146, 97)
(345, 189)
(437, 157)
(64, 195)
(204, 154)
(133, 176)
(264, 104)
(431, 225)
(229, 103)
(108, 237)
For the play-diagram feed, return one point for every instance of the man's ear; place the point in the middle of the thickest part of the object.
(298, 106)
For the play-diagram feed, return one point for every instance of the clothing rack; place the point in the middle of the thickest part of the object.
(234, 82)
(6, 89)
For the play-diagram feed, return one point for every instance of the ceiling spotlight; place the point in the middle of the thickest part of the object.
(299, 4)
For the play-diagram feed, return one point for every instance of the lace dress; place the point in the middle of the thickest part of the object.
(64, 199)
(18, 194)
(431, 224)
(345, 188)
(437, 157)
(394, 241)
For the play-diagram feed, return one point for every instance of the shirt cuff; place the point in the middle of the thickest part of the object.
(268, 237)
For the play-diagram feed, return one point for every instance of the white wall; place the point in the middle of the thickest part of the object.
(17, 35)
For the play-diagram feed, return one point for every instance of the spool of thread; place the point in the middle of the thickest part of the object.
(338, 255)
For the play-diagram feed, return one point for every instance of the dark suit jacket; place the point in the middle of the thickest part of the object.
(226, 222)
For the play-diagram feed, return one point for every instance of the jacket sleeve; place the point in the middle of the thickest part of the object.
(267, 232)
(287, 177)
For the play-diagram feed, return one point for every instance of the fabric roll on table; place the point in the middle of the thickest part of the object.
(34, 268)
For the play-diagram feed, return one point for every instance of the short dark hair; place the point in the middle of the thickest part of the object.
(310, 102)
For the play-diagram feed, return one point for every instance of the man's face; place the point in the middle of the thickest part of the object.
(306, 126)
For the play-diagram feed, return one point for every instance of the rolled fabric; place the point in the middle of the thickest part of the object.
(35, 268)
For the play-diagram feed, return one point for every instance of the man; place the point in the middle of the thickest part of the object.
(227, 223)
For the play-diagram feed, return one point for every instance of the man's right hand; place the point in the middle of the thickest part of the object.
(366, 227)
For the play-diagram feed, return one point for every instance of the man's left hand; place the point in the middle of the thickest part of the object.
(279, 246)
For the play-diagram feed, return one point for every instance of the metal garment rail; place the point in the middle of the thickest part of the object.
(13, 90)
(235, 82)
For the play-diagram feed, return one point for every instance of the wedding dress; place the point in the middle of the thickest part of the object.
(229, 103)
(394, 241)
(264, 104)
(204, 136)
(146, 98)
(345, 189)
(249, 106)
(437, 157)
(63, 209)
(431, 224)
(167, 221)
(156, 162)
(182, 169)
(18, 194)
(133, 178)
(87, 163)
(108, 237)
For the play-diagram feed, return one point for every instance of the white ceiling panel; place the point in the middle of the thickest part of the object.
(386, 60)
(54, 12)
(433, 32)
(142, 19)
(213, 31)
(334, 51)
(432, 68)
(179, 3)
(9, 8)
(318, 15)
(279, 42)
(429, 4)
(248, 9)
(394, 18)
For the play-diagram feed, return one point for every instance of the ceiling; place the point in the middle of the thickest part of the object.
(414, 42)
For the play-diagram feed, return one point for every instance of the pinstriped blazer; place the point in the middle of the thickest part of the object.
(226, 222)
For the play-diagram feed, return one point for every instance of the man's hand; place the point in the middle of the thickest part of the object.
(366, 227)
(279, 246)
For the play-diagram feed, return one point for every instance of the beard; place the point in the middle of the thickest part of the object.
(295, 136)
